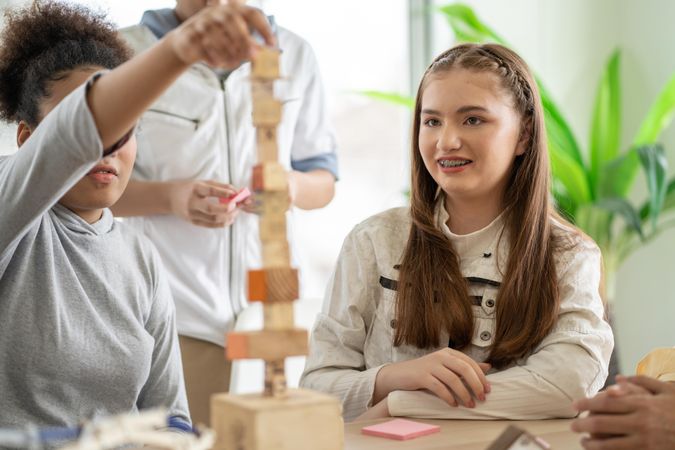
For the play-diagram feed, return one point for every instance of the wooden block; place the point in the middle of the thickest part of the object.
(262, 89)
(270, 176)
(267, 144)
(266, 64)
(266, 112)
(272, 227)
(303, 420)
(275, 379)
(273, 202)
(273, 284)
(278, 316)
(276, 254)
(269, 345)
(514, 438)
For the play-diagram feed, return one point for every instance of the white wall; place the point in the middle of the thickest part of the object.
(567, 43)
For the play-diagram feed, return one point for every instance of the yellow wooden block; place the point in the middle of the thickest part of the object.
(276, 253)
(278, 316)
(266, 112)
(269, 345)
(266, 64)
(303, 420)
(268, 149)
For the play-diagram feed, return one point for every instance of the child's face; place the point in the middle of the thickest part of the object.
(105, 183)
(469, 134)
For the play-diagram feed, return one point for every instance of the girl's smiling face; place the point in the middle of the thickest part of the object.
(469, 134)
(105, 183)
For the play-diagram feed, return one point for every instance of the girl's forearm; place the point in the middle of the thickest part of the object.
(118, 99)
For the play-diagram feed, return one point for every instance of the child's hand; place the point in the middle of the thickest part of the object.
(193, 201)
(220, 35)
(447, 373)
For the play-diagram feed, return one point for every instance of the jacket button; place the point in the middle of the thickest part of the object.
(490, 302)
(485, 335)
(393, 323)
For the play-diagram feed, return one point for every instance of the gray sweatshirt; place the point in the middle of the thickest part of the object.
(86, 317)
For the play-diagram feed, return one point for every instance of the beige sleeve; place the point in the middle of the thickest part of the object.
(659, 364)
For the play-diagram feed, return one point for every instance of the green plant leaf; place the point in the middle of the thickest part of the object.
(390, 97)
(606, 123)
(668, 202)
(570, 173)
(621, 207)
(558, 131)
(654, 163)
(466, 26)
(563, 202)
(659, 117)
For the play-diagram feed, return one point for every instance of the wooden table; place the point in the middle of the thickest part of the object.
(464, 435)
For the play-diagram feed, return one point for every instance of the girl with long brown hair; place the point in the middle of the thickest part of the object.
(478, 301)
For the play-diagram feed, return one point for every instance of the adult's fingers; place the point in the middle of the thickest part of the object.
(603, 403)
(651, 384)
(614, 424)
(255, 18)
(614, 443)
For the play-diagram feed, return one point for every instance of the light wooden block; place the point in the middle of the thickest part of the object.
(276, 254)
(262, 89)
(266, 112)
(268, 149)
(272, 227)
(278, 316)
(272, 202)
(275, 379)
(269, 345)
(270, 176)
(303, 420)
(266, 64)
(274, 284)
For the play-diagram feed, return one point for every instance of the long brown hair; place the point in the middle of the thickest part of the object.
(432, 294)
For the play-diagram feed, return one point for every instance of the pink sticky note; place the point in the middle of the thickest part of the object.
(233, 200)
(400, 429)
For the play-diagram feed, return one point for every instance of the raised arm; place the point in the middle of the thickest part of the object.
(218, 35)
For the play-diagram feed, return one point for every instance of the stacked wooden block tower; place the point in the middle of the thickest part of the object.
(279, 418)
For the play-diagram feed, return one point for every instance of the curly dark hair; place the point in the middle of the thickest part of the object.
(43, 41)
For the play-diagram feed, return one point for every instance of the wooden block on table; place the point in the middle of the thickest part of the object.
(268, 149)
(275, 378)
(302, 420)
(278, 316)
(266, 64)
(269, 345)
(266, 112)
(270, 176)
(272, 285)
(276, 253)
(514, 438)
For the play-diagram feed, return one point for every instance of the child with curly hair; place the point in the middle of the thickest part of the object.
(86, 315)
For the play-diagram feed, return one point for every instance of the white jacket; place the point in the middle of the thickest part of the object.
(353, 336)
(201, 128)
